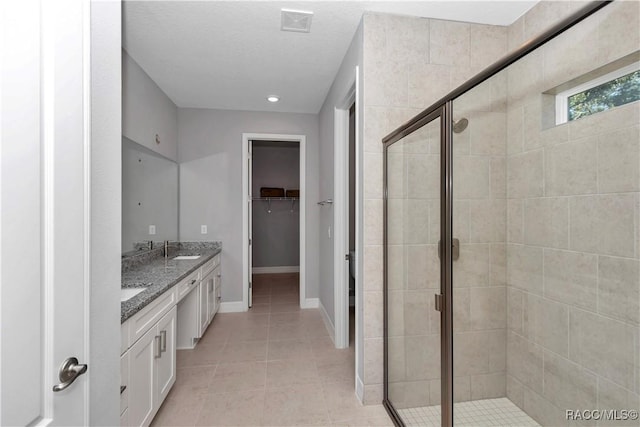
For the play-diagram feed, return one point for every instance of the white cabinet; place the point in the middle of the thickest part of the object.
(206, 301)
(176, 319)
(166, 363)
(217, 292)
(141, 379)
(152, 370)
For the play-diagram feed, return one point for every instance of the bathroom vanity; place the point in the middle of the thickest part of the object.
(167, 303)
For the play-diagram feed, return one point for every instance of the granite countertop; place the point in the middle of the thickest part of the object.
(158, 274)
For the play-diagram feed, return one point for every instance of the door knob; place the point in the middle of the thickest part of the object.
(69, 371)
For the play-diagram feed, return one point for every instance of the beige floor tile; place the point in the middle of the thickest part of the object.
(206, 355)
(275, 365)
(356, 422)
(282, 318)
(240, 376)
(249, 333)
(289, 307)
(292, 372)
(183, 358)
(257, 308)
(261, 299)
(287, 331)
(295, 406)
(215, 336)
(291, 349)
(343, 404)
(191, 381)
(292, 298)
(384, 421)
(242, 408)
(247, 351)
(321, 345)
(336, 367)
(173, 413)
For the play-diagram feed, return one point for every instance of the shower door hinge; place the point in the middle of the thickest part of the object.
(438, 302)
(455, 249)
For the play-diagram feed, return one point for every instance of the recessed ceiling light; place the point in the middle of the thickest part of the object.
(273, 98)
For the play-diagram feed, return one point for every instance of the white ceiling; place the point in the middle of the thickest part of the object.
(232, 54)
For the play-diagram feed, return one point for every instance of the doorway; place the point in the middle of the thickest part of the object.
(273, 217)
(275, 225)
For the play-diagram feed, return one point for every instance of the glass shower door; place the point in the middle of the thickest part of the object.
(412, 275)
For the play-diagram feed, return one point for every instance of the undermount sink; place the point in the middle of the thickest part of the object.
(184, 257)
(128, 293)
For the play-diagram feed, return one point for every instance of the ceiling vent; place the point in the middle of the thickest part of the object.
(298, 21)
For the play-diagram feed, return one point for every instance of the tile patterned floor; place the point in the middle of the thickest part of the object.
(272, 366)
(476, 413)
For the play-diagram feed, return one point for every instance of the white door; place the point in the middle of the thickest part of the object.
(250, 159)
(44, 210)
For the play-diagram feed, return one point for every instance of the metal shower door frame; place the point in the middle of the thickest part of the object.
(444, 113)
(443, 109)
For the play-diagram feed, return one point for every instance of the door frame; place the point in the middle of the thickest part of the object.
(341, 214)
(301, 140)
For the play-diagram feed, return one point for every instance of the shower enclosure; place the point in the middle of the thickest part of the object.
(512, 239)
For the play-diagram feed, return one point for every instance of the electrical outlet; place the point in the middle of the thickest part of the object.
(203, 229)
(152, 230)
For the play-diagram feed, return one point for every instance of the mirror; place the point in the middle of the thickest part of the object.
(149, 196)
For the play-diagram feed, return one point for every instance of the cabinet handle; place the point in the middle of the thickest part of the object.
(156, 343)
(163, 341)
(193, 281)
(219, 275)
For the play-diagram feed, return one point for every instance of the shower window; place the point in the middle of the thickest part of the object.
(614, 89)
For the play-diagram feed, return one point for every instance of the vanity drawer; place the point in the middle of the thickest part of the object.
(124, 337)
(186, 285)
(210, 265)
(149, 316)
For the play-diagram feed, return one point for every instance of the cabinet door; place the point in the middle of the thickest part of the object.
(142, 356)
(211, 296)
(203, 314)
(166, 363)
(217, 282)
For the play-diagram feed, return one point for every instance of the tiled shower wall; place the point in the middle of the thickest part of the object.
(409, 63)
(573, 251)
(572, 276)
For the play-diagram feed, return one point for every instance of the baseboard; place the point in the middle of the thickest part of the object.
(359, 389)
(310, 303)
(231, 307)
(275, 270)
(327, 323)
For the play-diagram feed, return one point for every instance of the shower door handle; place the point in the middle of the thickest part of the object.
(455, 249)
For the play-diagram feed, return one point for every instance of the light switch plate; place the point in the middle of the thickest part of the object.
(203, 229)
(152, 230)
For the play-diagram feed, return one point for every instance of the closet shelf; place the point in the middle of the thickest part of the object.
(270, 199)
(275, 198)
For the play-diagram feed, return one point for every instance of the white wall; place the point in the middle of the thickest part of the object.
(276, 234)
(104, 350)
(210, 157)
(339, 89)
(147, 111)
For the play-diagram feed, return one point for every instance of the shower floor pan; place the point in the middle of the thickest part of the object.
(477, 413)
